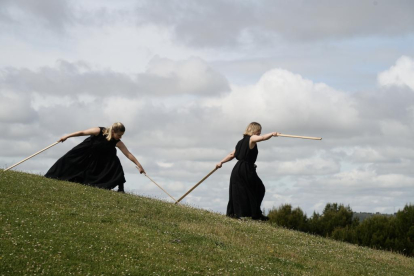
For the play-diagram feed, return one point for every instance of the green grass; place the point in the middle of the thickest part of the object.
(60, 228)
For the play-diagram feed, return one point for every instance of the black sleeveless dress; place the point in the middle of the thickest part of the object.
(246, 188)
(93, 162)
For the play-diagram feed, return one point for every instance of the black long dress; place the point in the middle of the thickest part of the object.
(246, 188)
(93, 162)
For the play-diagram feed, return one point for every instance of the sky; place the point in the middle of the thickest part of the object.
(187, 77)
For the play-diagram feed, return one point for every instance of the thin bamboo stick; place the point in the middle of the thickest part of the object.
(159, 186)
(195, 186)
(32, 156)
(302, 137)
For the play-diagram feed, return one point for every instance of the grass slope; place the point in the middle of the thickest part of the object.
(61, 228)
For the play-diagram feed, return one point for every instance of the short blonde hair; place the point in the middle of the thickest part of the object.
(252, 128)
(116, 127)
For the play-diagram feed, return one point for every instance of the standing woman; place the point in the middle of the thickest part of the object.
(246, 188)
(94, 161)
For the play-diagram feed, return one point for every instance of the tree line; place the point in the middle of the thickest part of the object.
(393, 233)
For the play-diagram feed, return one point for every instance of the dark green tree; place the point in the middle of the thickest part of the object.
(290, 218)
(405, 230)
(314, 225)
(378, 232)
(345, 234)
(335, 216)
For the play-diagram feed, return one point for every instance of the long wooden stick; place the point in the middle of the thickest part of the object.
(195, 186)
(159, 186)
(32, 155)
(302, 137)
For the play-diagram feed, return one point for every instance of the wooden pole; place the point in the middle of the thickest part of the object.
(159, 186)
(32, 155)
(195, 186)
(302, 137)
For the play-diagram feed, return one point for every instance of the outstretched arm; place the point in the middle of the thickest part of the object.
(130, 156)
(229, 157)
(92, 131)
(258, 138)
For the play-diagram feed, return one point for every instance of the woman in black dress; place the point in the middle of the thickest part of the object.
(246, 188)
(94, 162)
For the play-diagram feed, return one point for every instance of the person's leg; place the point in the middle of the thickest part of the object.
(260, 191)
(121, 188)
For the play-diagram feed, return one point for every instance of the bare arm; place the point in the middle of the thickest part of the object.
(130, 156)
(91, 131)
(258, 138)
(229, 157)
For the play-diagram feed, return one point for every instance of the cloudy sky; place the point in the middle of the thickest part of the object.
(187, 77)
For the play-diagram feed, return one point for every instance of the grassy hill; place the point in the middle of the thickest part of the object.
(61, 228)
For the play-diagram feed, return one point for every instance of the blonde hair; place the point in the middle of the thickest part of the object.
(252, 128)
(116, 127)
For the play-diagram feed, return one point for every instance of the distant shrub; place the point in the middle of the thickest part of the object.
(290, 218)
(334, 216)
(404, 224)
(337, 222)
(377, 232)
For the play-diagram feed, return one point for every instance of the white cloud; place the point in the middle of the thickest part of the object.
(283, 101)
(15, 108)
(226, 23)
(305, 166)
(53, 14)
(164, 77)
(165, 164)
(192, 77)
(367, 155)
(400, 75)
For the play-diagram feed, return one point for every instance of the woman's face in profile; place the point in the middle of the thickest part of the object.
(117, 135)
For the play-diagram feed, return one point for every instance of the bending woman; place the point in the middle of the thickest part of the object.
(246, 188)
(94, 161)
